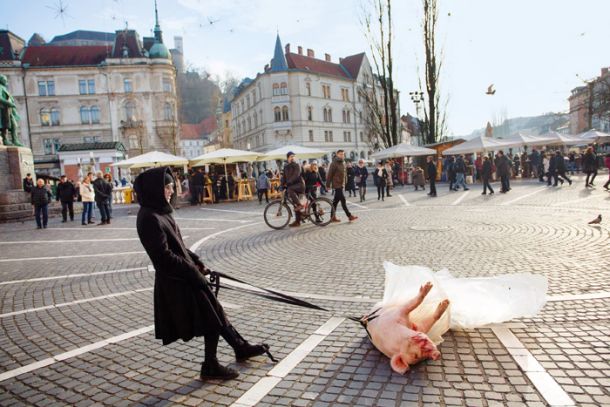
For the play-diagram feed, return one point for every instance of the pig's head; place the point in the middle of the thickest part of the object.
(417, 348)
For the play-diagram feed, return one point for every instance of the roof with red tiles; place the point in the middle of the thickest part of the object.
(198, 130)
(296, 61)
(58, 55)
(352, 63)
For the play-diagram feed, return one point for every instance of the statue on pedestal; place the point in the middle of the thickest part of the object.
(8, 115)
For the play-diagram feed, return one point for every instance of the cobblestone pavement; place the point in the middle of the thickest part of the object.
(76, 305)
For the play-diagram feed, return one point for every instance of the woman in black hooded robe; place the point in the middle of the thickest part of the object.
(185, 305)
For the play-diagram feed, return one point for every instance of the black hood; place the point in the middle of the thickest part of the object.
(150, 189)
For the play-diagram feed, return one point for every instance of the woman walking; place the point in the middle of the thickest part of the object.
(350, 185)
(486, 171)
(589, 166)
(361, 176)
(380, 176)
(88, 196)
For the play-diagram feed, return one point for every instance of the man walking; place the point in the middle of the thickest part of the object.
(336, 180)
(560, 169)
(263, 185)
(102, 195)
(66, 192)
(198, 187)
(503, 171)
(295, 185)
(460, 169)
(40, 198)
(486, 176)
(431, 167)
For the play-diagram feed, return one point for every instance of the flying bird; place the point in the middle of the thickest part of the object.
(491, 90)
(597, 220)
(212, 22)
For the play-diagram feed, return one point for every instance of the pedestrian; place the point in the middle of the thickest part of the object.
(40, 198)
(263, 185)
(231, 182)
(350, 185)
(295, 186)
(322, 171)
(389, 181)
(589, 167)
(431, 175)
(451, 173)
(380, 176)
(459, 167)
(546, 167)
(362, 175)
(536, 165)
(336, 180)
(66, 194)
(197, 187)
(312, 180)
(516, 165)
(28, 183)
(503, 171)
(486, 171)
(108, 179)
(418, 178)
(607, 162)
(572, 162)
(102, 195)
(184, 304)
(560, 169)
(87, 195)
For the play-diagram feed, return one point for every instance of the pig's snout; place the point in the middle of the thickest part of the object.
(436, 355)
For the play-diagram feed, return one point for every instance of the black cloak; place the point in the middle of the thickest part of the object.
(185, 305)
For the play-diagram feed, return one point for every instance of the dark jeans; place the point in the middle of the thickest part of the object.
(432, 186)
(387, 190)
(262, 192)
(380, 190)
(104, 210)
(591, 174)
(65, 207)
(87, 211)
(197, 196)
(293, 195)
(562, 175)
(42, 215)
(504, 179)
(486, 185)
(362, 192)
(339, 197)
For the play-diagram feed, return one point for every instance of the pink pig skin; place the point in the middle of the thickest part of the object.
(399, 338)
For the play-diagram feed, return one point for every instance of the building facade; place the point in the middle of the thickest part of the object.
(590, 105)
(299, 99)
(120, 91)
(194, 137)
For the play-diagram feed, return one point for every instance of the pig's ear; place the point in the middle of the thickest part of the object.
(398, 364)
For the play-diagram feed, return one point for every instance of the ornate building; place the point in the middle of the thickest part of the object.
(300, 99)
(88, 87)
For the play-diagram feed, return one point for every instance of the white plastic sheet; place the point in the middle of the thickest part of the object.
(475, 301)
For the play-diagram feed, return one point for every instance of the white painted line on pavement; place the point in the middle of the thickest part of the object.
(97, 230)
(30, 280)
(544, 382)
(403, 199)
(199, 242)
(217, 220)
(233, 211)
(70, 241)
(77, 256)
(512, 201)
(578, 200)
(460, 199)
(261, 388)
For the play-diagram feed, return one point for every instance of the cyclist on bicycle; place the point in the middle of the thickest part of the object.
(294, 185)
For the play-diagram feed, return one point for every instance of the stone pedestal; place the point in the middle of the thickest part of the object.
(15, 163)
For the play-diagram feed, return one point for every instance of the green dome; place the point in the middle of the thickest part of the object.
(158, 50)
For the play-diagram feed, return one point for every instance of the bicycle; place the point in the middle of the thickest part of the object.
(318, 211)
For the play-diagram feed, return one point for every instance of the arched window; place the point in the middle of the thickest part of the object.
(325, 112)
(54, 116)
(85, 115)
(276, 89)
(277, 113)
(255, 120)
(344, 113)
(284, 88)
(285, 114)
(330, 114)
(95, 114)
(130, 111)
(249, 123)
(45, 117)
(308, 88)
(168, 111)
(348, 116)
(309, 113)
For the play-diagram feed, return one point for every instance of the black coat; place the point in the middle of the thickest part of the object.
(66, 192)
(431, 167)
(40, 196)
(503, 166)
(28, 184)
(185, 305)
(312, 179)
(292, 175)
(363, 173)
(351, 173)
(560, 164)
(380, 181)
(589, 162)
(486, 170)
(103, 190)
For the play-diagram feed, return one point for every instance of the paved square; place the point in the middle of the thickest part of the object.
(76, 305)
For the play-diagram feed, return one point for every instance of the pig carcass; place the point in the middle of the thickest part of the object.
(419, 306)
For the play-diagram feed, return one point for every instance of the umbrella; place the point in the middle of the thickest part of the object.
(299, 151)
(152, 159)
(403, 150)
(475, 145)
(594, 136)
(224, 156)
(521, 139)
(557, 138)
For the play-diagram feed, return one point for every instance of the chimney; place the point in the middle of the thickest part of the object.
(300, 50)
(327, 57)
(287, 48)
(310, 53)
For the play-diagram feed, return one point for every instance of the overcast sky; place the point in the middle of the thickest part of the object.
(533, 51)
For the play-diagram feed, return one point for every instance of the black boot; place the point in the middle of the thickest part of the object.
(244, 350)
(212, 370)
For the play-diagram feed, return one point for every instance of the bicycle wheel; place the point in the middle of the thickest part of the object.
(277, 215)
(321, 211)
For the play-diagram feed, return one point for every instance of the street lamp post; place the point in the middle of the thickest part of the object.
(417, 97)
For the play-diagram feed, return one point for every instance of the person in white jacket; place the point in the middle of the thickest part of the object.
(88, 195)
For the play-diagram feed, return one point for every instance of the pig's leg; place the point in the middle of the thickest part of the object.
(426, 324)
(415, 302)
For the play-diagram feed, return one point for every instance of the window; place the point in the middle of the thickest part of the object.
(91, 86)
(95, 115)
(45, 117)
(326, 91)
(285, 114)
(360, 117)
(249, 124)
(255, 120)
(276, 89)
(308, 88)
(168, 111)
(254, 96)
(130, 111)
(362, 139)
(277, 113)
(347, 136)
(309, 113)
(326, 135)
(91, 139)
(330, 114)
(248, 101)
(167, 85)
(82, 87)
(51, 145)
(46, 88)
(284, 88)
(86, 86)
(127, 85)
(330, 136)
(344, 116)
(54, 116)
(84, 115)
(311, 135)
(345, 94)
(348, 116)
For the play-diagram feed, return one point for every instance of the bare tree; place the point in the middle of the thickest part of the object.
(380, 97)
(435, 116)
